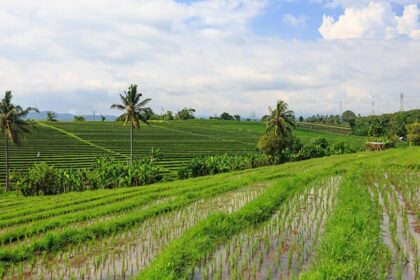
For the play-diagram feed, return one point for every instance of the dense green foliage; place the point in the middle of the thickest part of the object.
(185, 114)
(386, 124)
(327, 119)
(210, 165)
(106, 173)
(348, 117)
(413, 133)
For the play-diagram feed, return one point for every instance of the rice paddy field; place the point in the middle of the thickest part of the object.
(353, 216)
(76, 144)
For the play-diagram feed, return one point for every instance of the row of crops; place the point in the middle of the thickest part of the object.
(75, 145)
(354, 215)
(54, 147)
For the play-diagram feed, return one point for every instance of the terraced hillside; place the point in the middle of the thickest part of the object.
(354, 216)
(54, 147)
(75, 144)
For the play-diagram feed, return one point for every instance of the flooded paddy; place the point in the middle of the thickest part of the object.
(280, 248)
(400, 225)
(125, 254)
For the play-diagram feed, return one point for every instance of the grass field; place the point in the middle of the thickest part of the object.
(354, 216)
(76, 144)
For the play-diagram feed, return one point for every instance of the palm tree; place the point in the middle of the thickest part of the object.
(12, 125)
(135, 112)
(281, 120)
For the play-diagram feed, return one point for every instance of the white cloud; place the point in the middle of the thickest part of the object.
(295, 21)
(408, 23)
(361, 3)
(76, 56)
(376, 20)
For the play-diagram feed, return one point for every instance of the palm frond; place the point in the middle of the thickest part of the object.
(117, 106)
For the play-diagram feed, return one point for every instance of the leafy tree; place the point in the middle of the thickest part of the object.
(51, 116)
(281, 120)
(237, 117)
(413, 135)
(376, 129)
(79, 118)
(135, 112)
(321, 142)
(13, 125)
(103, 118)
(226, 116)
(278, 148)
(333, 119)
(168, 116)
(349, 117)
(301, 119)
(391, 124)
(185, 114)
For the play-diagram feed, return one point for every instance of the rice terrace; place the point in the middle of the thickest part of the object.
(203, 139)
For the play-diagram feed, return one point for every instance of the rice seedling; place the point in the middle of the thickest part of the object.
(281, 246)
(399, 225)
(126, 253)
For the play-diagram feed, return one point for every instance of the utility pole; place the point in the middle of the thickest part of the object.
(373, 105)
(94, 117)
(253, 115)
(402, 102)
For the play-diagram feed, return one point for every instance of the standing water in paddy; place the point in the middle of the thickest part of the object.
(280, 248)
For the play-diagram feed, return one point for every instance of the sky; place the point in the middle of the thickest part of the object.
(238, 56)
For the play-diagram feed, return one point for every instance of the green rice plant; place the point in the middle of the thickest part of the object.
(352, 246)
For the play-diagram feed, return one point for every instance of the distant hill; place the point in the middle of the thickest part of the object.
(67, 117)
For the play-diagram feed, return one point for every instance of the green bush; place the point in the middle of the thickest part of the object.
(106, 173)
(386, 124)
(340, 148)
(279, 149)
(210, 165)
(318, 147)
(413, 135)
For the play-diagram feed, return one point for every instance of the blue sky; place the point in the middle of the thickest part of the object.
(271, 21)
(240, 56)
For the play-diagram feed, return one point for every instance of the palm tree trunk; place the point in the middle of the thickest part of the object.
(7, 163)
(131, 144)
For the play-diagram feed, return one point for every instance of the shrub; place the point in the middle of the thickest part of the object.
(210, 165)
(311, 151)
(413, 135)
(340, 148)
(318, 147)
(321, 142)
(106, 173)
(272, 145)
(386, 124)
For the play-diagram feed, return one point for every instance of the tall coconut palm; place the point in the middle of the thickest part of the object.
(281, 119)
(135, 112)
(13, 125)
